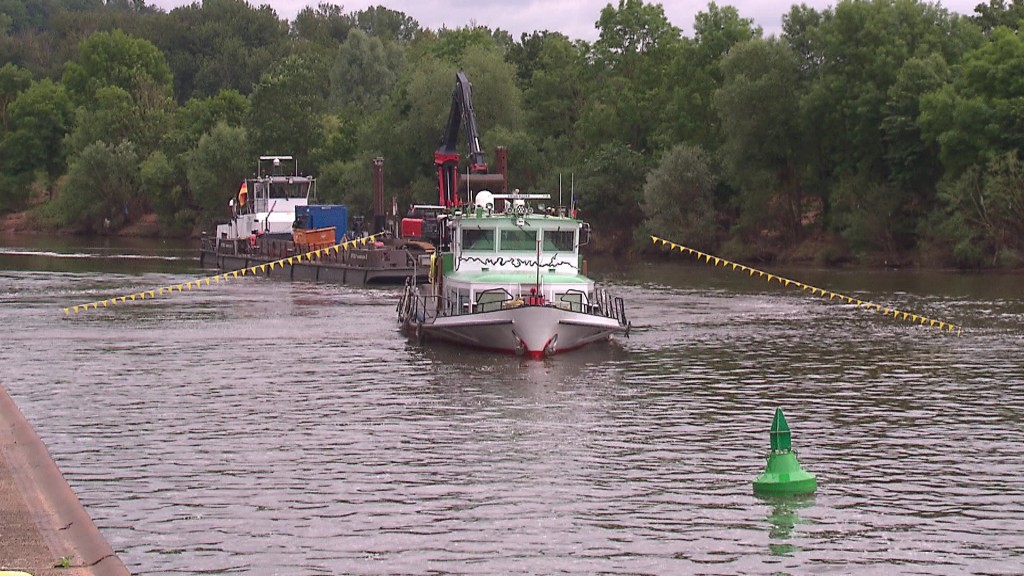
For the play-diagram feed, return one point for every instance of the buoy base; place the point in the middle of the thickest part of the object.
(783, 475)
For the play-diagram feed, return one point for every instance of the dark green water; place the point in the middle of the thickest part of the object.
(278, 428)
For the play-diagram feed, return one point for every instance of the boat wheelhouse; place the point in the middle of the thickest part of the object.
(266, 203)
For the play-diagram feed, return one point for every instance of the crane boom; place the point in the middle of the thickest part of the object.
(446, 158)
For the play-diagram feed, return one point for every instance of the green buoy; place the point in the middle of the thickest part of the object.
(783, 475)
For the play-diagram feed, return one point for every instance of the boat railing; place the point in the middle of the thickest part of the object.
(609, 306)
(415, 306)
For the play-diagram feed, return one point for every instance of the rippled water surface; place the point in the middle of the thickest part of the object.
(286, 428)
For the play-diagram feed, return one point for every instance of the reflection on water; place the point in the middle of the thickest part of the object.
(283, 428)
(783, 516)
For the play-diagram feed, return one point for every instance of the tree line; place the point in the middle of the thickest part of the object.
(873, 131)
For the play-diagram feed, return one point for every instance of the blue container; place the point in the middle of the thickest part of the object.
(322, 216)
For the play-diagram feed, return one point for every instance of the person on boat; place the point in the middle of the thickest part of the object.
(534, 299)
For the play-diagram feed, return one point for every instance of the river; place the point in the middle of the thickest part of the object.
(269, 427)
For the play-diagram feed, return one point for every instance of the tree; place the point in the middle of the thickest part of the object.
(365, 73)
(630, 57)
(215, 168)
(222, 44)
(102, 183)
(678, 197)
(914, 162)
(854, 60)
(326, 24)
(996, 13)
(388, 25)
(554, 96)
(199, 115)
(980, 115)
(116, 59)
(40, 118)
(287, 107)
(763, 147)
(609, 188)
(166, 193)
(983, 214)
(13, 80)
(110, 117)
(695, 73)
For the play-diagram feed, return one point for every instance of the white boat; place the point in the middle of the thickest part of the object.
(266, 203)
(511, 281)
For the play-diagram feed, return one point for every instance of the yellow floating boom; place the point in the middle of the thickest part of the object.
(226, 276)
(899, 314)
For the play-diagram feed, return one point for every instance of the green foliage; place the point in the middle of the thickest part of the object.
(39, 119)
(496, 97)
(387, 24)
(997, 13)
(199, 115)
(103, 181)
(678, 198)
(365, 72)
(327, 24)
(286, 109)
(452, 45)
(844, 126)
(984, 212)
(339, 141)
(609, 186)
(13, 80)
(554, 97)
(763, 150)
(630, 58)
(164, 189)
(350, 183)
(531, 167)
(695, 73)
(868, 213)
(110, 117)
(216, 168)
(981, 114)
(411, 129)
(219, 45)
(913, 160)
(14, 190)
(116, 59)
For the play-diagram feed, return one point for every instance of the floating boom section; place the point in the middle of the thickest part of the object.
(446, 158)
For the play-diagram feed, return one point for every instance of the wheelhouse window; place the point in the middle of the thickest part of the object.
(518, 240)
(289, 190)
(559, 240)
(478, 240)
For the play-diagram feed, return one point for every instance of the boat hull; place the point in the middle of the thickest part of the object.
(533, 331)
(356, 267)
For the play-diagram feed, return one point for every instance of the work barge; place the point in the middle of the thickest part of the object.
(273, 220)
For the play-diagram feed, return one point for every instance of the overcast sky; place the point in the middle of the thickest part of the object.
(574, 18)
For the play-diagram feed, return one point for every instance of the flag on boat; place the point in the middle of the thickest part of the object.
(243, 194)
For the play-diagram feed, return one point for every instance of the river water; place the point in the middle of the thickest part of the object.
(287, 428)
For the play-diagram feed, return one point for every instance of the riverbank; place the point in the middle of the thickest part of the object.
(44, 530)
(24, 223)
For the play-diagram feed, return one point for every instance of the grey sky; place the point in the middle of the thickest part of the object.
(574, 18)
